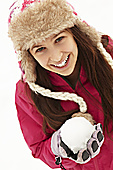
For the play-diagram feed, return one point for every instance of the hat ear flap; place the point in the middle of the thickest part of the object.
(104, 40)
(28, 64)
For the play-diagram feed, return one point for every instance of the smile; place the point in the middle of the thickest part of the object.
(63, 63)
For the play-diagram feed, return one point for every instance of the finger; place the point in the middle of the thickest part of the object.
(93, 147)
(99, 137)
(83, 156)
(99, 127)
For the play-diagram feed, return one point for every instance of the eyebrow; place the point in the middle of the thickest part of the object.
(52, 39)
(35, 46)
(58, 34)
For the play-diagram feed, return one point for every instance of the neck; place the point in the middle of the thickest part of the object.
(72, 78)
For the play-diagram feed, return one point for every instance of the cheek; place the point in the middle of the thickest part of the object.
(66, 47)
(69, 46)
(42, 61)
(74, 48)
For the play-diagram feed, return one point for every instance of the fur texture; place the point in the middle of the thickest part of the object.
(40, 21)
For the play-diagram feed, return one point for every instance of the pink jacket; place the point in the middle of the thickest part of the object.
(31, 122)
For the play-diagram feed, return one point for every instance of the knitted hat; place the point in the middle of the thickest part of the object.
(31, 22)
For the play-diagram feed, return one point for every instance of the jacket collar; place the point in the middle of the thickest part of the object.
(63, 84)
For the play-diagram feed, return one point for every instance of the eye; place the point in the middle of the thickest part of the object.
(40, 49)
(59, 39)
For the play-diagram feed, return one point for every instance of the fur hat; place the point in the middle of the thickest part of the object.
(32, 21)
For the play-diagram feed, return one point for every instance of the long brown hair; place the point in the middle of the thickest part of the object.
(99, 73)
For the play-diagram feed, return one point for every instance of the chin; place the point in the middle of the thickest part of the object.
(66, 74)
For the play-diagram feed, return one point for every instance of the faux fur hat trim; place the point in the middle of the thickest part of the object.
(28, 65)
(39, 21)
(43, 19)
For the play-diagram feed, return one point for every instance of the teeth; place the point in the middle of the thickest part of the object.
(63, 63)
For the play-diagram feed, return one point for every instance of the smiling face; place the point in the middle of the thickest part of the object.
(57, 54)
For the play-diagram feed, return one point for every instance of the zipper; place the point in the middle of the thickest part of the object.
(96, 165)
(59, 162)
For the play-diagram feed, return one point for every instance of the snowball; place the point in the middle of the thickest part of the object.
(75, 133)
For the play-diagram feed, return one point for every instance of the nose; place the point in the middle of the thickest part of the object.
(55, 54)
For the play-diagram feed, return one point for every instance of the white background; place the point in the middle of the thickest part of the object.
(14, 153)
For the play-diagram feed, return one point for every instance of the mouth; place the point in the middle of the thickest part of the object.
(63, 64)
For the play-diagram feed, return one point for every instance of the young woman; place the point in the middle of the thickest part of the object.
(66, 90)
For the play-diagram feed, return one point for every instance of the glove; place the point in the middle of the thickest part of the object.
(78, 140)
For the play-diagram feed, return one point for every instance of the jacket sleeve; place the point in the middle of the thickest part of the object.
(31, 126)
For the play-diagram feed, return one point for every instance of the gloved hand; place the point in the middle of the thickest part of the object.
(77, 139)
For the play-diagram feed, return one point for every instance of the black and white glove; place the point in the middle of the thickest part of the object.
(78, 140)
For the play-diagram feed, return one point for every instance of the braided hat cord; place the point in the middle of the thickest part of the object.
(59, 95)
(107, 56)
